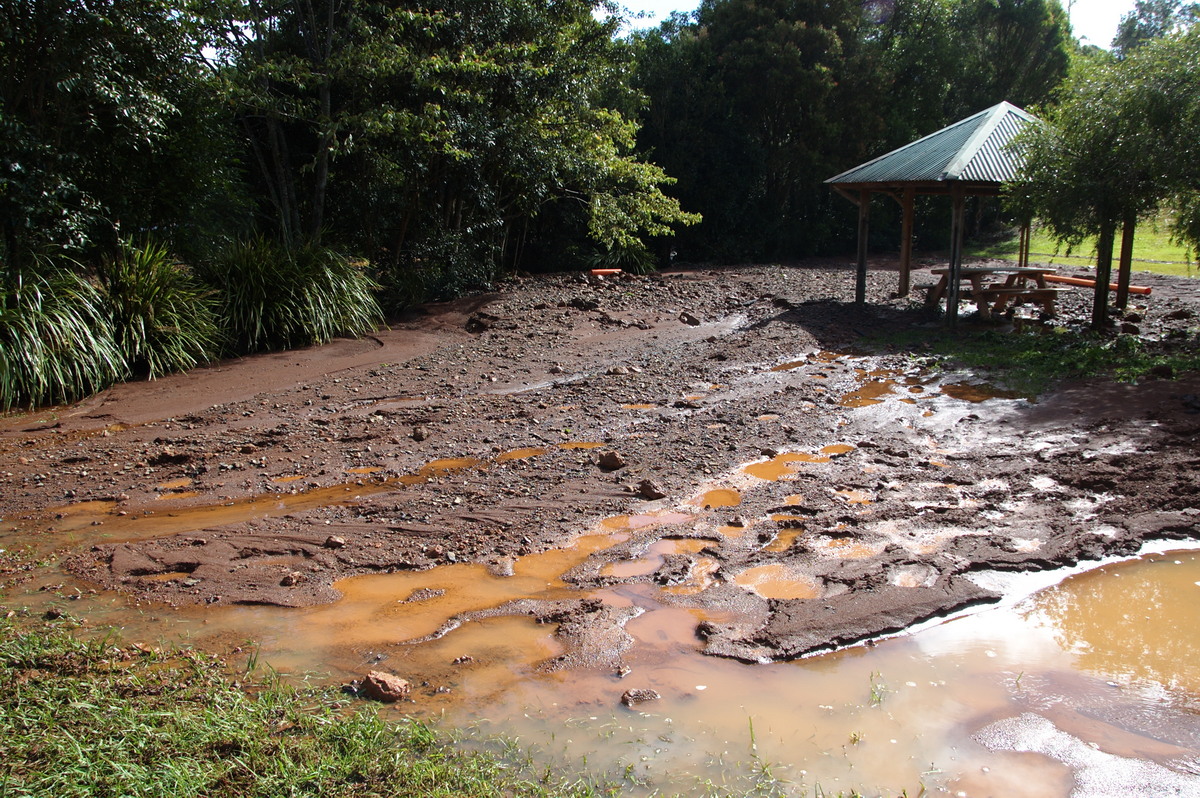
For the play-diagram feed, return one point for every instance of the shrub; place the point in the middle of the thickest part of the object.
(163, 319)
(56, 342)
(273, 298)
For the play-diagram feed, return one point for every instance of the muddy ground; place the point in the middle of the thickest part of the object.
(806, 490)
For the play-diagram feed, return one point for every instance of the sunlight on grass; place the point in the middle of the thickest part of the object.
(1153, 251)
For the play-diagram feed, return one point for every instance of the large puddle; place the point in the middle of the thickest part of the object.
(1089, 687)
(1086, 687)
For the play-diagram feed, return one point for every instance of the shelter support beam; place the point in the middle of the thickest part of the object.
(908, 208)
(864, 218)
(957, 221)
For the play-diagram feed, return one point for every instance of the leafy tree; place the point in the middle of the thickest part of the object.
(1121, 142)
(754, 102)
(434, 135)
(1150, 20)
(91, 111)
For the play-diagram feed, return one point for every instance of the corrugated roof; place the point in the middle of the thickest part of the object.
(974, 149)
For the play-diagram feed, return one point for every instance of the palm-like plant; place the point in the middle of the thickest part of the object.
(272, 298)
(163, 319)
(56, 342)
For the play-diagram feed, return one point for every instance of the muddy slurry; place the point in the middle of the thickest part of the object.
(579, 449)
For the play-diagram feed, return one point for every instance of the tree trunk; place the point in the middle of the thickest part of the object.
(1126, 265)
(1104, 253)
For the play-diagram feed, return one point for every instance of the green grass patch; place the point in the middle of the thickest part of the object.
(85, 716)
(1153, 251)
(1032, 360)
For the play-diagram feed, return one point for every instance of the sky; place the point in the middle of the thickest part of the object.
(1094, 21)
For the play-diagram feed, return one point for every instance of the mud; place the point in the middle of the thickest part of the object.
(476, 432)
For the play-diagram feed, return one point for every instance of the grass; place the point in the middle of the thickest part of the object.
(86, 716)
(1032, 360)
(1153, 251)
(56, 342)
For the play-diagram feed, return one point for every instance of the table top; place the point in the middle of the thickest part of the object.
(967, 271)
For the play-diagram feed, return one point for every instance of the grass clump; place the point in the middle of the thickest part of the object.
(87, 717)
(163, 319)
(1033, 360)
(271, 297)
(56, 341)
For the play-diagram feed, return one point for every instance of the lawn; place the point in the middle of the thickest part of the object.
(1153, 251)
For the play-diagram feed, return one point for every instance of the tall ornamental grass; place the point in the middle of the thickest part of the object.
(163, 319)
(56, 341)
(273, 298)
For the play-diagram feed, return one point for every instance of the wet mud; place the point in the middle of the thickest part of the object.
(757, 469)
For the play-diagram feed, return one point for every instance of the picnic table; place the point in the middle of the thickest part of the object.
(995, 288)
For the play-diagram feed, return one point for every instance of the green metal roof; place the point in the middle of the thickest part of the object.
(975, 149)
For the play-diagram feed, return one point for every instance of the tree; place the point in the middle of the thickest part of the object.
(91, 109)
(1150, 20)
(427, 134)
(753, 103)
(1121, 142)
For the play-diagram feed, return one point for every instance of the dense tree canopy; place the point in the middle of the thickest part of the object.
(752, 103)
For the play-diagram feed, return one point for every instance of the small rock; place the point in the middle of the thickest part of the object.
(385, 687)
(464, 659)
(292, 579)
(1129, 328)
(1180, 314)
(618, 370)
(420, 433)
(689, 319)
(335, 542)
(249, 448)
(481, 321)
(649, 490)
(611, 461)
(639, 696)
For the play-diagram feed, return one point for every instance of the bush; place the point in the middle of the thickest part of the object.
(163, 319)
(56, 341)
(272, 298)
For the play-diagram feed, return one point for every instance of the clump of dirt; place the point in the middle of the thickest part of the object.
(732, 408)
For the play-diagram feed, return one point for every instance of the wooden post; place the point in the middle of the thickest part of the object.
(864, 214)
(1126, 264)
(956, 242)
(908, 208)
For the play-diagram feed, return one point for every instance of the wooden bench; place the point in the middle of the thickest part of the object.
(1000, 297)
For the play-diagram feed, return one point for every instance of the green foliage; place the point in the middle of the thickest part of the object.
(442, 129)
(163, 319)
(633, 258)
(90, 97)
(56, 342)
(753, 103)
(1150, 20)
(86, 717)
(269, 297)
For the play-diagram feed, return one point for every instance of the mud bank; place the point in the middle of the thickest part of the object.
(717, 435)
